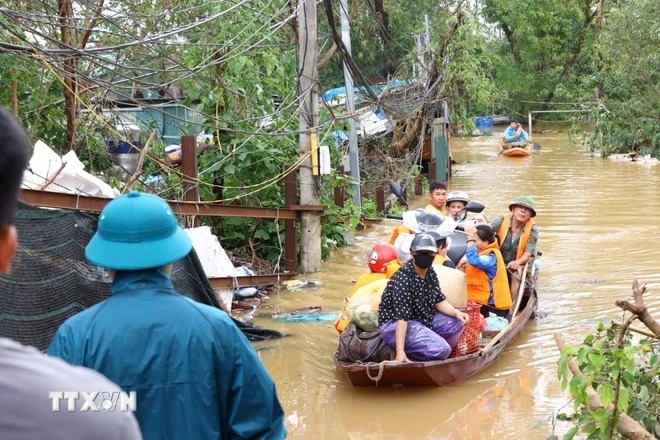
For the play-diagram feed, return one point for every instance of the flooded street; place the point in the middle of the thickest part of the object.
(597, 219)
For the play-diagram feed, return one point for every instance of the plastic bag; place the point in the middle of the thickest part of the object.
(363, 306)
(449, 328)
(495, 323)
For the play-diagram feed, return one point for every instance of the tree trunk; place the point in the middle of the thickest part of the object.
(512, 42)
(328, 55)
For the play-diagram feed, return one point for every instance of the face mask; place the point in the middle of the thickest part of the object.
(423, 261)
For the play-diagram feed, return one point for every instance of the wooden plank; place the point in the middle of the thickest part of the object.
(251, 281)
(48, 199)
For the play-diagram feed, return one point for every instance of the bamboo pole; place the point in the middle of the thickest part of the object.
(501, 334)
(140, 166)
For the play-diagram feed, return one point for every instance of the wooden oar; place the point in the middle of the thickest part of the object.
(499, 336)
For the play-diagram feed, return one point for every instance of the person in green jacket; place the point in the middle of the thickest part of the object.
(194, 373)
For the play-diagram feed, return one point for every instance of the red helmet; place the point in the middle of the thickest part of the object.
(382, 254)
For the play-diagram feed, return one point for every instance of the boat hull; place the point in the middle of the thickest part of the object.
(516, 152)
(436, 373)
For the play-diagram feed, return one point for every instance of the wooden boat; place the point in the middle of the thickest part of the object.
(442, 373)
(516, 149)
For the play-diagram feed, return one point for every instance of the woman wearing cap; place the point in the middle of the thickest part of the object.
(414, 316)
(518, 235)
(456, 201)
(194, 373)
(485, 273)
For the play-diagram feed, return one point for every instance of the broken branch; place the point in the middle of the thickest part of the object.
(639, 309)
(140, 166)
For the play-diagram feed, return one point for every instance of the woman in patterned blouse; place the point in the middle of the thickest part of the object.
(414, 316)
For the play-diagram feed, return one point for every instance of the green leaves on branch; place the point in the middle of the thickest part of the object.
(627, 376)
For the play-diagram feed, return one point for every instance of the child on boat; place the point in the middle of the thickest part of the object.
(485, 272)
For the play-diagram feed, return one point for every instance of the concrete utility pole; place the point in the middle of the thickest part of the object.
(350, 108)
(310, 222)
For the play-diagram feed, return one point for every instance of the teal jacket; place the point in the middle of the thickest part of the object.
(194, 373)
(510, 135)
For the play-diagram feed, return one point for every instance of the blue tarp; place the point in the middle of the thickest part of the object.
(331, 94)
(484, 123)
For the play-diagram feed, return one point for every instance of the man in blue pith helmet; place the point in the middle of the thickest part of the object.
(194, 372)
(30, 383)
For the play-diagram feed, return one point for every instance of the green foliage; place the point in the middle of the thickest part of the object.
(467, 75)
(626, 375)
(40, 113)
(630, 49)
(548, 54)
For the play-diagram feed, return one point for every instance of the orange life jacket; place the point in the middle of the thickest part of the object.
(342, 320)
(398, 231)
(527, 231)
(478, 285)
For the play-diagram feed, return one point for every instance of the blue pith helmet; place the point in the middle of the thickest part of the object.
(137, 231)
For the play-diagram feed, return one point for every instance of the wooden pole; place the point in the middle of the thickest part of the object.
(189, 168)
(340, 190)
(418, 186)
(432, 170)
(380, 200)
(350, 108)
(310, 221)
(290, 230)
(513, 317)
(140, 166)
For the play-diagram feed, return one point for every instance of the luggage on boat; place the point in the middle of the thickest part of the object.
(362, 309)
(356, 345)
(452, 284)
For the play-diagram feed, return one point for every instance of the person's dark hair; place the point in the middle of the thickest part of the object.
(14, 147)
(486, 233)
(436, 185)
(442, 243)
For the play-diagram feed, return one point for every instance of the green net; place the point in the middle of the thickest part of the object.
(51, 280)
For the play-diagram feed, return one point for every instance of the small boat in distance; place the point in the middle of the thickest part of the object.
(515, 149)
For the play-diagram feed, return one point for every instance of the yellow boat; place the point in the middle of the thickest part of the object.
(517, 149)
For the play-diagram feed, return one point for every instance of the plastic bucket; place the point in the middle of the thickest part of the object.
(125, 155)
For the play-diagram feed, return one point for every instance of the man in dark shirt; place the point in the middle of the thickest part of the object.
(414, 316)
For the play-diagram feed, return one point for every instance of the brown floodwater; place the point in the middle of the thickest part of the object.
(597, 220)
